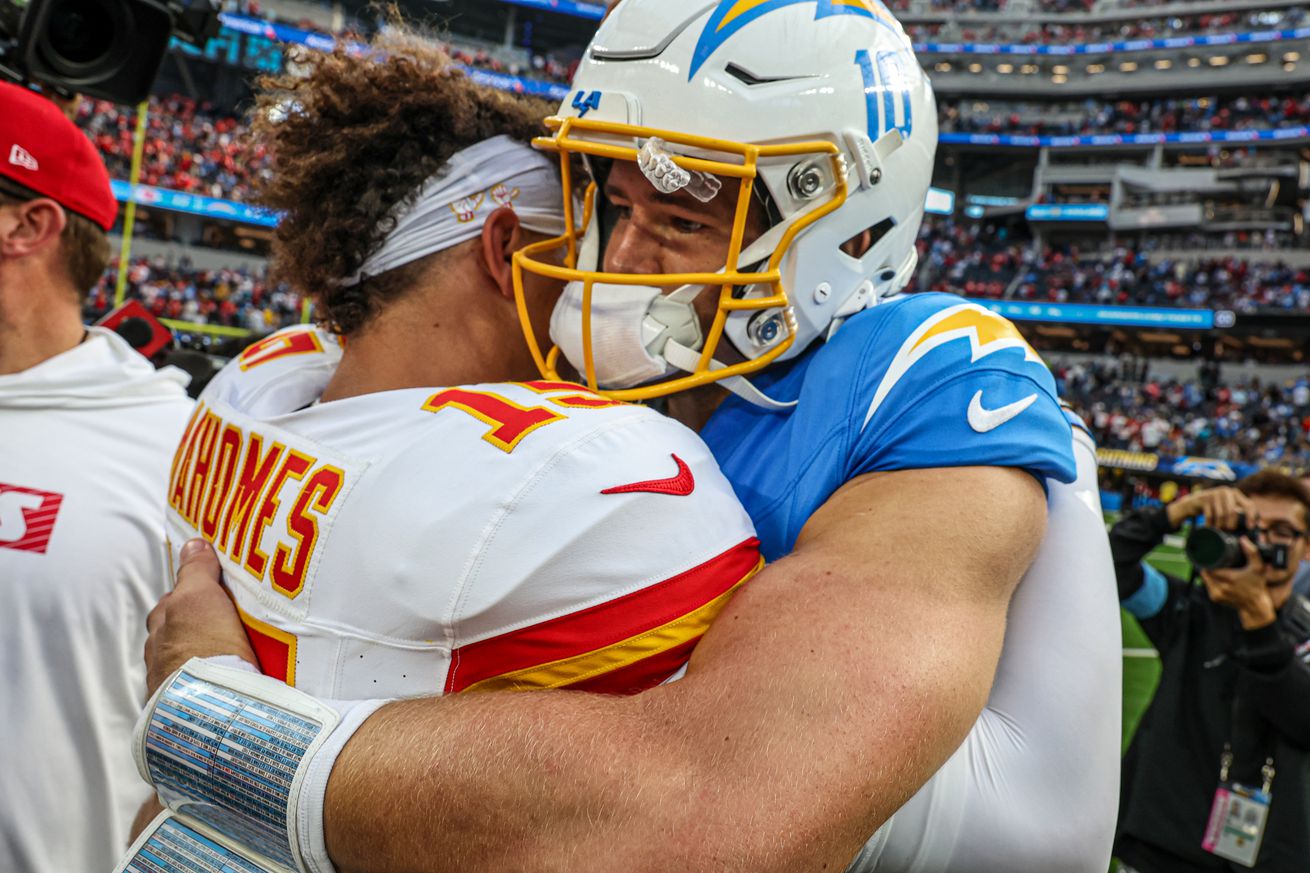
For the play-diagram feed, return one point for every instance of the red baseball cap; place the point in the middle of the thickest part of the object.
(42, 150)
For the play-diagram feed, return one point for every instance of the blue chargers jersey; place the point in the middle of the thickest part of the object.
(919, 381)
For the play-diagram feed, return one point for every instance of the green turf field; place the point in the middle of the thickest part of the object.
(1141, 667)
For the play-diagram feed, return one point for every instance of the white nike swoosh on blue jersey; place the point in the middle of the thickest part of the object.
(984, 420)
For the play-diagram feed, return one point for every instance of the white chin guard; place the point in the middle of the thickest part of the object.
(630, 327)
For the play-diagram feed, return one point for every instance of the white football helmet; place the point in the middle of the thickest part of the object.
(820, 102)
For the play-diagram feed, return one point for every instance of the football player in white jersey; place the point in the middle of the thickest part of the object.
(386, 528)
(396, 441)
(906, 453)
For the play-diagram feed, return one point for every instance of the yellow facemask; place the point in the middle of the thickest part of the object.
(568, 139)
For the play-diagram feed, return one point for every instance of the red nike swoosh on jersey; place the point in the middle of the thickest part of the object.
(679, 486)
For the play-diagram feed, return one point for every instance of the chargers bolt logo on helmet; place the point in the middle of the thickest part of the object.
(732, 15)
(814, 109)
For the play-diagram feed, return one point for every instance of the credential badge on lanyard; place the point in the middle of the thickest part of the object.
(1238, 815)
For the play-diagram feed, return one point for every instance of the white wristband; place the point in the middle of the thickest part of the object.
(236, 662)
(311, 851)
(267, 735)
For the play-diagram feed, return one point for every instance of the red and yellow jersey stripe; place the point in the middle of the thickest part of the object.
(622, 646)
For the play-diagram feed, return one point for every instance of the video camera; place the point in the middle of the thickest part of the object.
(108, 49)
(1209, 548)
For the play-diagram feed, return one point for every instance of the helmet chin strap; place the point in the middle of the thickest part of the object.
(686, 359)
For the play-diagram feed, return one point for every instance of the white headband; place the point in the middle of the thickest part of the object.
(452, 206)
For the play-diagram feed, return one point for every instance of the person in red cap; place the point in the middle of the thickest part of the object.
(55, 190)
(87, 428)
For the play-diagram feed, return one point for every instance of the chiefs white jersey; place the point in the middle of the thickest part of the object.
(434, 540)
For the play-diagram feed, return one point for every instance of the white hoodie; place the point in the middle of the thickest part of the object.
(86, 440)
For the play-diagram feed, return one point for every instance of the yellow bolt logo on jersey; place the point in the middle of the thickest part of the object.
(987, 333)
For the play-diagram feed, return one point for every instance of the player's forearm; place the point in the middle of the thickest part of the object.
(564, 781)
(489, 782)
(827, 692)
(696, 775)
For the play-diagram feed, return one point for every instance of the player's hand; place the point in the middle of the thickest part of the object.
(1244, 589)
(1220, 506)
(144, 816)
(197, 619)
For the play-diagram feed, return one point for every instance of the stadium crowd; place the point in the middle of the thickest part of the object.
(229, 297)
(1032, 32)
(547, 66)
(958, 6)
(987, 260)
(1127, 276)
(540, 66)
(983, 261)
(975, 260)
(1158, 115)
(1247, 420)
(192, 147)
(189, 146)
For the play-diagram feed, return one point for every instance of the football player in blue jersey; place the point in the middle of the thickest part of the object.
(746, 181)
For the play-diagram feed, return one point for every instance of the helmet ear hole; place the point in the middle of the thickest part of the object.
(859, 245)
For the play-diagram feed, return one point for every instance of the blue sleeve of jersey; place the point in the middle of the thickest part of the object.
(944, 383)
(1148, 600)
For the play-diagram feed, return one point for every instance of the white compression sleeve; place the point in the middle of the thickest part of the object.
(1035, 784)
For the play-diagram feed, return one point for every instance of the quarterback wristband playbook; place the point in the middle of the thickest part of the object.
(241, 763)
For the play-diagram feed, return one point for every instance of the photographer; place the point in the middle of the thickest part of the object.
(1216, 775)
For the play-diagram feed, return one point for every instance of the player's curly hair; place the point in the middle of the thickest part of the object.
(352, 134)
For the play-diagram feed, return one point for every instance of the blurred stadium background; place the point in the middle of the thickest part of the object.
(1128, 180)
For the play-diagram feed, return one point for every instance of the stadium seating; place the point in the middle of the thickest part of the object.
(969, 259)
(227, 297)
(964, 6)
(1166, 115)
(984, 261)
(1031, 32)
(1126, 276)
(1246, 421)
(189, 147)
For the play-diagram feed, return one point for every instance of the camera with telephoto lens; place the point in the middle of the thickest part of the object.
(1209, 548)
(108, 49)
